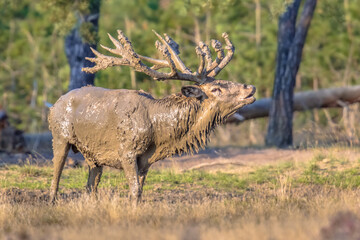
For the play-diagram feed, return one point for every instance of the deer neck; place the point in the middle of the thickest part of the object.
(182, 126)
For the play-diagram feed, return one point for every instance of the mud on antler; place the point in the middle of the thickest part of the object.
(169, 49)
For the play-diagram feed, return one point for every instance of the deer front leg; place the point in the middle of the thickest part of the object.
(132, 176)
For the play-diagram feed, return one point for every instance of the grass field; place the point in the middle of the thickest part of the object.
(313, 199)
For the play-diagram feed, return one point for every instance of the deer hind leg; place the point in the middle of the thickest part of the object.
(143, 168)
(142, 177)
(95, 173)
(61, 149)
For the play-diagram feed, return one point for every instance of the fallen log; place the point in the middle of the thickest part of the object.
(324, 98)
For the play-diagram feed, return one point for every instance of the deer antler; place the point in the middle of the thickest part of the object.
(170, 51)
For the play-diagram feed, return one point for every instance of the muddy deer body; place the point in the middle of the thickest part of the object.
(130, 130)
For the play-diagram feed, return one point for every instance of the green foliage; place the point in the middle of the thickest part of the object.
(278, 7)
(67, 14)
(89, 33)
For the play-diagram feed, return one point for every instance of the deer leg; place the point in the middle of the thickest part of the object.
(142, 177)
(95, 173)
(61, 150)
(143, 167)
(132, 175)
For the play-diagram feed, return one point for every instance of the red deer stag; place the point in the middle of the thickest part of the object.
(129, 129)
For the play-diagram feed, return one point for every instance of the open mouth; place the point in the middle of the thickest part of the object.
(250, 95)
(249, 99)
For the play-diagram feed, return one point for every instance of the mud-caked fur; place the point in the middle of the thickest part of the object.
(130, 130)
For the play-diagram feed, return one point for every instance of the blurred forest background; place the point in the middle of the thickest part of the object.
(34, 68)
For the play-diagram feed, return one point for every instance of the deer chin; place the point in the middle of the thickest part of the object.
(243, 101)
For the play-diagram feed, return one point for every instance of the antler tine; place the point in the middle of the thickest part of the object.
(114, 51)
(207, 52)
(165, 52)
(174, 45)
(128, 47)
(179, 64)
(217, 46)
(201, 70)
(230, 52)
(158, 63)
(102, 61)
(116, 43)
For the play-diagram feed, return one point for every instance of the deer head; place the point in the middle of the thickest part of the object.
(224, 97)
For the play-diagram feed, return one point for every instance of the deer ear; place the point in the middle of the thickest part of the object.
(193, 91)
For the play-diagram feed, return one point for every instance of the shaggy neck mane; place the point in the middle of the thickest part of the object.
(184, 125)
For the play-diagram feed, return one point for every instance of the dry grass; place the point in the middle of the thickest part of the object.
(265, 213)
(317, 199)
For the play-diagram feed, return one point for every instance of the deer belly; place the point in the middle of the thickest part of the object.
(96, 143)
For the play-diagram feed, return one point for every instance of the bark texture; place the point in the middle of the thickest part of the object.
(77, 48)
(291, 39)
(324, 98)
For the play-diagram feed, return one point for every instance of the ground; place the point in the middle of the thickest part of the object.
(230, 159)
(227, 193)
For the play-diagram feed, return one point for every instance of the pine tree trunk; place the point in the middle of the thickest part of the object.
(76, 49)
(291, 40)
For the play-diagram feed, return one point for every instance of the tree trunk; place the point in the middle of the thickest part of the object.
(324, 98)
(290, 44)
(76, 49)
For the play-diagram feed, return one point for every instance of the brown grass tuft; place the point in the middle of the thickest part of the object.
(290, 213)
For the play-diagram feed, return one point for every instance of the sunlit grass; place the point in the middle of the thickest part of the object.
(283, 200)
(323, 169)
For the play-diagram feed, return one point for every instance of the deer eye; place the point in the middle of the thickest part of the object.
(218, 90)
